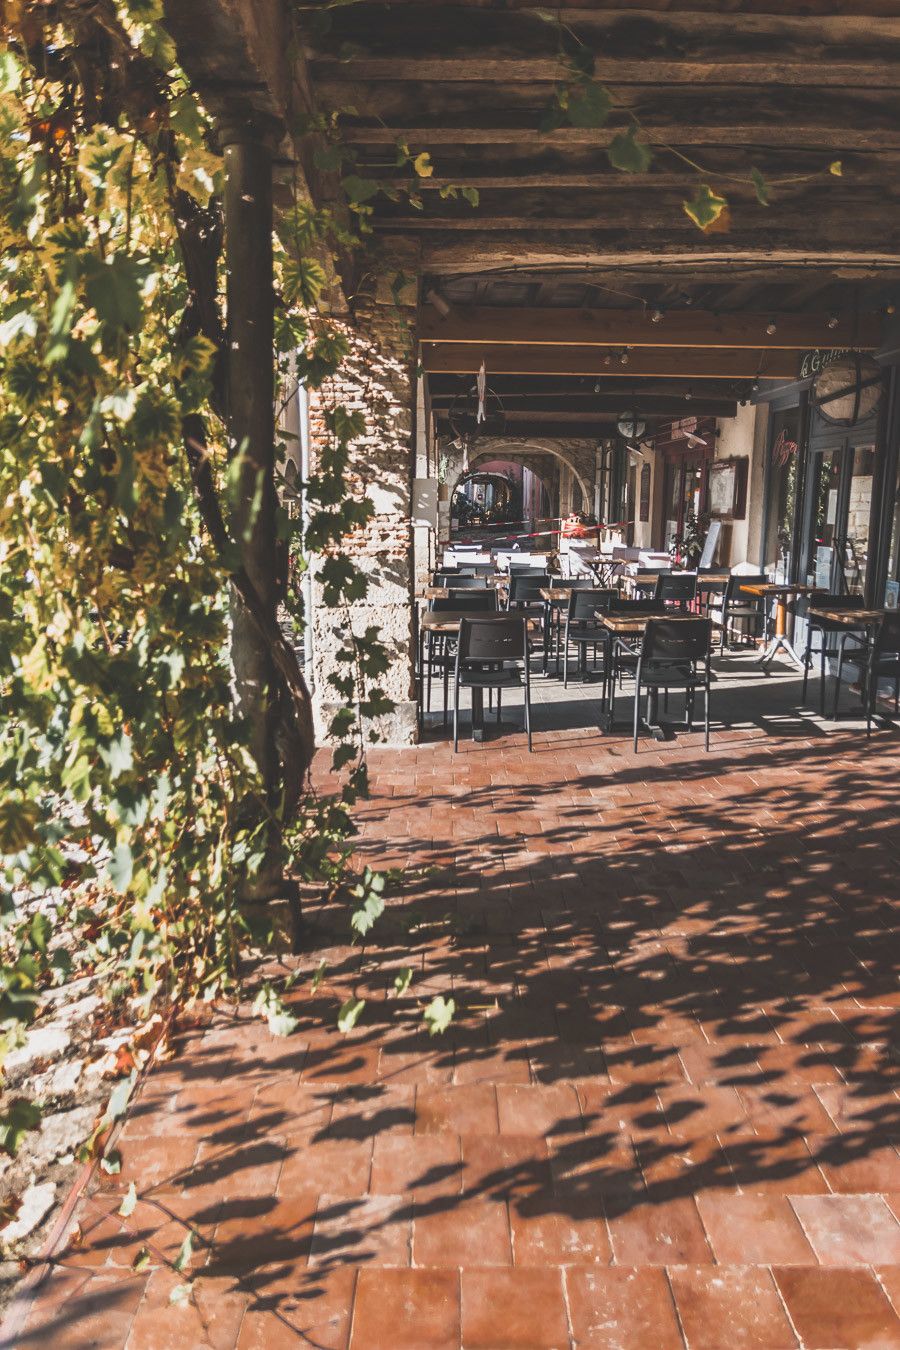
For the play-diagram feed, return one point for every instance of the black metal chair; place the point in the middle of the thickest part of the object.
(486, 569)
(644, 581)
(623, 652)
(676, 590)
(583, 630)
(439, 649)
(710, 586)
(492, 654)
(674, 654)
(460, 581)
(884, 659)
(858, 637)
(525, 591)
(739, 607)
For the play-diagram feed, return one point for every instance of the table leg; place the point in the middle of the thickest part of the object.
(780, 642)
(477, 714)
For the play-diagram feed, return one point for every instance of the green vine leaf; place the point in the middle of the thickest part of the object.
(589, 105)
(129, 1202)
(439, 1014)
(836, 168)
(761, 187)
(349, 1014)
(629, 155)
(706, 207)
(15, 1122)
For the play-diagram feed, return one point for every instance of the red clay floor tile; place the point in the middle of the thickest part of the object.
(513, 1310)
(734, 1306)
(406, 1310)
(849, 1230)
(838, 1308)
(622, 1308)
(753, 1230)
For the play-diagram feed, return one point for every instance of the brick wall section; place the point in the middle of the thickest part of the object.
(378, 378)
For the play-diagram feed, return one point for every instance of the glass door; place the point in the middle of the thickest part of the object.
(840, 505)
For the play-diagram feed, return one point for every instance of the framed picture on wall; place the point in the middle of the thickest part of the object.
(728, 488)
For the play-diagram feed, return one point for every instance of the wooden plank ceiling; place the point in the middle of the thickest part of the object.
(558, 236)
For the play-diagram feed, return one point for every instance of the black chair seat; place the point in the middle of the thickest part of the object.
(490, 679)
(589, 633)
(661, 675)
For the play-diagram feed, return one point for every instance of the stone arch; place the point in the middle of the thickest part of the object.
(521, 451)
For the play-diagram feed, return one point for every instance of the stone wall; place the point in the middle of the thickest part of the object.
(377, 378)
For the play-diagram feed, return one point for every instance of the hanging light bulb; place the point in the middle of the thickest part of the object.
(656, 315)
(832, 321)
(607, 360)
(688, 395)
(624, 358)
(771, 328)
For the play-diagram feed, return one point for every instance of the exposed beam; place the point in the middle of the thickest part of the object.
(491, 68)
(574, 408)
(461, 251)
(823, 135)
(633, 328)
(663, 362)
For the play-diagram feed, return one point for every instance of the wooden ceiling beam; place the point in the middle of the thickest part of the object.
(608, 409)
(644, 362)
(826, 135)
(634, 328)
(490, 68)
(453, 251)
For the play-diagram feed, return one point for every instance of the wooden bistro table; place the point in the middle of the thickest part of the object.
(447, 622)
(780, 593)
(848, 619)
(554, 597)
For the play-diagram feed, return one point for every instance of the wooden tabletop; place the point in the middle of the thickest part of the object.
(779, 588)
(849, 618)
(632, 623)
(556, 593)
(448, 620)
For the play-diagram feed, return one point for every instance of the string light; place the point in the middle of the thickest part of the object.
(832, 321)
(771, 328)
(656, 316)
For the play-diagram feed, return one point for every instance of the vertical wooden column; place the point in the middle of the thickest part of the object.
(251, 431)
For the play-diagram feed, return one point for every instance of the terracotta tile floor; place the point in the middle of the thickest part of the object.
(667, 1112)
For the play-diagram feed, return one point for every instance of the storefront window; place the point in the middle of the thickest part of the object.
(782, 492)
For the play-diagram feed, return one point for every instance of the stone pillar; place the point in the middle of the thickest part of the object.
(378, 378)
(251, 433)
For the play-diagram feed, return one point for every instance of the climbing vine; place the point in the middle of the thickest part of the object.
(581, 100)
(124, 763)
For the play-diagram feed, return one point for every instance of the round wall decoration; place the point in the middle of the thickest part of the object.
(848, 390)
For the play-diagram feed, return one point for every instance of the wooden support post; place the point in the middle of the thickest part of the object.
(251, 433)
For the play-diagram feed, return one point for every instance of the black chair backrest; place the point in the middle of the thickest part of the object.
(735, 582)
(620, 605)
(837, 601)
(887, 635)
(444, 578)
(476, 602)
(581, 583)
(676, 586)
(586, 605)
(677, 639)
(460, 582)
(520, 573)
(527, 588)
(502, 639)
(477, 569)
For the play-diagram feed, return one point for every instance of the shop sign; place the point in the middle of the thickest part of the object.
(820, 358)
